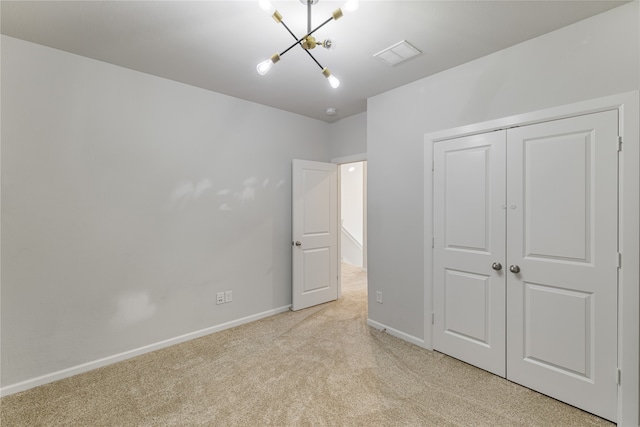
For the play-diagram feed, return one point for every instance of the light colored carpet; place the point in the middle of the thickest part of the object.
(322, 366)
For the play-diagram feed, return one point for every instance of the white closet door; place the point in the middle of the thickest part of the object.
(469, 295)
(562, 235)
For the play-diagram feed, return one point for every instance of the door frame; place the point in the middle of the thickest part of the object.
(628, 107)
(361, 157)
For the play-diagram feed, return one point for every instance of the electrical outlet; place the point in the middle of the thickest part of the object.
(379, 297)
(220, 298)
(228, 296)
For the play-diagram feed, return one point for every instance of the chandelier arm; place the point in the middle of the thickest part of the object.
(298, 41)
(314, 59)
(319, 26)
(291, 32)
(292, 35)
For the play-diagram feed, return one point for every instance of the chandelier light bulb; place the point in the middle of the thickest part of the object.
(329, 44)
(266, 5)
(264, 67)
(350, 6)
(333, 81)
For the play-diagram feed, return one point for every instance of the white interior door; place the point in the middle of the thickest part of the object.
(562, 235)
(314, 233)
(469, 231)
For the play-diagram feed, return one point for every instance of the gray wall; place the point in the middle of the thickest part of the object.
(590, 59)
(128, 201)
(348, 136)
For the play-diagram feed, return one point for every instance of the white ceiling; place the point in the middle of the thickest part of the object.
(216, 45)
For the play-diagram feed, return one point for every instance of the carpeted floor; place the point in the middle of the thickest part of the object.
(322, 366)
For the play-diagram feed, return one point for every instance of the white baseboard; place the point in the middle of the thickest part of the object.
(89, 366)
(396, 333)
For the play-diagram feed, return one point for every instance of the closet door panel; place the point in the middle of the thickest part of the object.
(469, 230)
(562, 236)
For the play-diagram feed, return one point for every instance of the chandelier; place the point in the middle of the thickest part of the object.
(308, 41)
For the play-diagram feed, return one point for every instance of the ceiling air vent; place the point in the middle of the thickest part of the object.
(397, 53)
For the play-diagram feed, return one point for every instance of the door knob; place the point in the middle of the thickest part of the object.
(496, 266)
(514, 269)
(298, 244)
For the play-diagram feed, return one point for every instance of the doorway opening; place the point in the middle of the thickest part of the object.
(353, 225)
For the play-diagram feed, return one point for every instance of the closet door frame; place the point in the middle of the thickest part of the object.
(628, 107)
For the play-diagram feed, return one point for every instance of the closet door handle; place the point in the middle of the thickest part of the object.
(496, 266)
(514, 269)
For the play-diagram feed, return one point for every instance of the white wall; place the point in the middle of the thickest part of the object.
(348, 137)
(348, 143)
(128, 201)
(351, 211)
(593, 58)
(352, 198)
